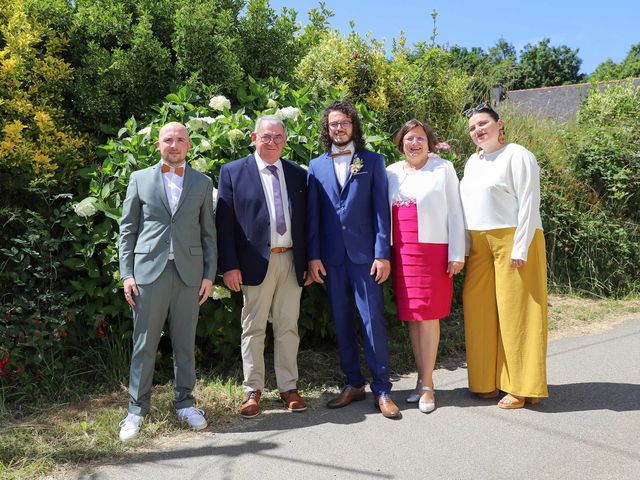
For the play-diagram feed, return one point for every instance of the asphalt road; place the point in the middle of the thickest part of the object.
(588, 429)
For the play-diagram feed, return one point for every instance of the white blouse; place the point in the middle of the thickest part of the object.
(502, 189)
(434, 188)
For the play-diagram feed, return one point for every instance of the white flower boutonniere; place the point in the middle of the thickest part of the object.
(356, 166)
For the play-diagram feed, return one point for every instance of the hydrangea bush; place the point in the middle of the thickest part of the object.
(220, 130)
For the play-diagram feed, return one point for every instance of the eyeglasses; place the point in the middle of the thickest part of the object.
(483, 107)
(411, 139)
(343, 124)
(278, 139)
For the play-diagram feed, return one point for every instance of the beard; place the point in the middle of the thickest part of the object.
(342, 143)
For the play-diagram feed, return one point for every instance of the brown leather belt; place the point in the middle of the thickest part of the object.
(281, 249)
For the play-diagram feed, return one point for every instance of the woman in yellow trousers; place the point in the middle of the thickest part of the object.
(505, 288)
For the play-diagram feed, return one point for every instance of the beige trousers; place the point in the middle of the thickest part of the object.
(277, 296)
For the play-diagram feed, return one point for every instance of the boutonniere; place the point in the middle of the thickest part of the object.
(356, 166)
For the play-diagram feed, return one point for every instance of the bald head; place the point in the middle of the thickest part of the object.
(173, 143)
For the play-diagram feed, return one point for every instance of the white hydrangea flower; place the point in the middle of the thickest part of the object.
(145, 131)
(219, 117)
(204, 146)
(218, 292)
(210, 120)
(288, 112)
(235, 134)
(272, 103)
(219, 102)
(199, 164)
(86, 208)
(195, 124)
(302, 139)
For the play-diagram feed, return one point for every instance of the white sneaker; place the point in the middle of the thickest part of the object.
(193, 416)
(130, 427)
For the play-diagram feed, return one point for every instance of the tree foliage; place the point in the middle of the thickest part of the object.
(629, 67)
(36, 142)
(543, 65)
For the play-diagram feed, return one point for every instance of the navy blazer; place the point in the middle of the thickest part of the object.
(354, 220)
(242, 219)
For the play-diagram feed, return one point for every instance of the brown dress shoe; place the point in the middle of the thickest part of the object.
(250, 404)
(389, 409)
(292, 401)
(347, 395)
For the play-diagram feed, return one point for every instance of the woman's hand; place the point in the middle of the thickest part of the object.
(517, 263)
(454, 268)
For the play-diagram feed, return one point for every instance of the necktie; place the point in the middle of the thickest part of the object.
(281, 225)
(177, 170)
(340, 153)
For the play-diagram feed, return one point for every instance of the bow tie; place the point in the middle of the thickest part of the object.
(340, 153)
(177, 170)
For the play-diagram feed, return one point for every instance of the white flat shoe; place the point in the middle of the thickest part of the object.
(427, 407)
(414, 396)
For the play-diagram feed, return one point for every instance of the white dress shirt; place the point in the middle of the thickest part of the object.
(434, 188)
(173, 189)
(502, 189)
(341, 163)
(266, 176)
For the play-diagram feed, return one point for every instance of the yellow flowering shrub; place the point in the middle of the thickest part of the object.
(35, 140)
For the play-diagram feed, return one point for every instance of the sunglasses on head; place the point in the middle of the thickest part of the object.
(483, 107)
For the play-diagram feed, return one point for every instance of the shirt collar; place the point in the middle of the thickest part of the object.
(350, 146)
(262, 164)
(183, 164)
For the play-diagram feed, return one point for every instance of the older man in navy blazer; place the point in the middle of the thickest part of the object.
(348, 228)
(261, 213)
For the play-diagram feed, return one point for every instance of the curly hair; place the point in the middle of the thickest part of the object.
(350, 111)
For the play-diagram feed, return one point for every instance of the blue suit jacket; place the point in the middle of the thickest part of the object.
(242, 219)
(354, 219)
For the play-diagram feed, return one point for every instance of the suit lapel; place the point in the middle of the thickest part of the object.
(253, 175)
(159, 186)
(187, 183)
(329, 171)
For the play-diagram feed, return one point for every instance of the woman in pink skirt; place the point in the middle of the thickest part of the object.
(427, 246)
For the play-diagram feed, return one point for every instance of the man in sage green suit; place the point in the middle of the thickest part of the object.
(168, 259)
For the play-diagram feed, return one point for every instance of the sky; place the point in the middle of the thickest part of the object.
(598, 29)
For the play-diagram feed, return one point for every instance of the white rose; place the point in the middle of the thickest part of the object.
(204, 146)
(219, 102)
(272, 103)
(195, 124)
(200, 164)
(145, 131)
(288, 112)
(218, 292)
(235, 134)
(86, 208)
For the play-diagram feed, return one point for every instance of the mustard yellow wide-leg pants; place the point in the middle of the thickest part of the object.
(505, 315)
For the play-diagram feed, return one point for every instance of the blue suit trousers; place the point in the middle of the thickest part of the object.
(346, 283)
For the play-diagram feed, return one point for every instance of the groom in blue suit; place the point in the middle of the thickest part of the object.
(348, 222)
